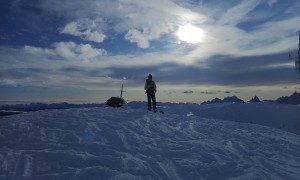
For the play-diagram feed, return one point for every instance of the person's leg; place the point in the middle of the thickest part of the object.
(149, 101)
(153, 101)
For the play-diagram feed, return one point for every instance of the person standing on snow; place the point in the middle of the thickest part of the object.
(150, 88)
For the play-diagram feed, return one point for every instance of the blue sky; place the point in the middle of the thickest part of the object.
(82, 51)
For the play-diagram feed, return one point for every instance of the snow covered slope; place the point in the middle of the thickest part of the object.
(282, 116)
(108, 143)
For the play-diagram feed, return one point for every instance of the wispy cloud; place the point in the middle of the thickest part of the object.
(272, 2)
(239, 12)
(68, 51)
(87, 29)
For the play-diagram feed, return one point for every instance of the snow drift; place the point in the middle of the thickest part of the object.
(282, 116)
(108, 143)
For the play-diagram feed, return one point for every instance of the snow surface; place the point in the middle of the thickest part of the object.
(282, 116)
(128, 144)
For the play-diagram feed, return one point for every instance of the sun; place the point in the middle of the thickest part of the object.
(190, 34)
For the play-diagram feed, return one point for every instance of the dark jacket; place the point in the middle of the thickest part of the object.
(150, 86)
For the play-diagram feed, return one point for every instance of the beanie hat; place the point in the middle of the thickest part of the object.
(149, 76)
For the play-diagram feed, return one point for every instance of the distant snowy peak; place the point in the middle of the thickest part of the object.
(254, 99)
(226, 99)
(292, 99)
(233, 99)
(216, 100)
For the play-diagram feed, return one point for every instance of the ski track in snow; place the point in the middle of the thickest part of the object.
(128, 144)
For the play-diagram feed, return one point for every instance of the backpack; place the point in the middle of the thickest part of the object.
(150, 86)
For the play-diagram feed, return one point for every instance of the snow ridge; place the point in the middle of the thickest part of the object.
(109, 143)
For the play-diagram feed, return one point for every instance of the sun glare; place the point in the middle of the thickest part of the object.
(190, 34)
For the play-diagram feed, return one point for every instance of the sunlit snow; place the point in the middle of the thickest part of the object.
(132, 143)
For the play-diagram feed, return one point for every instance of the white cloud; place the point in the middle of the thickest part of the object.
(128, 17)
(87, 29)
(272, 2)
(66, 49)
(35, 66)
(69, 51)
(142, 23)
(38, 50)
(141, 38)
(237, 13)
(145, 22)
(9, 82)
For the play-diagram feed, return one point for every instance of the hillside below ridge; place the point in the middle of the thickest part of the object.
(116, 143)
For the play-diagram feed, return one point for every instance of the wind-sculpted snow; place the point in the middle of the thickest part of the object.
(282, 116)
(108, 143)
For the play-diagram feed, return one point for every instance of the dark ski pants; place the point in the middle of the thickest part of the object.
(151, 96)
